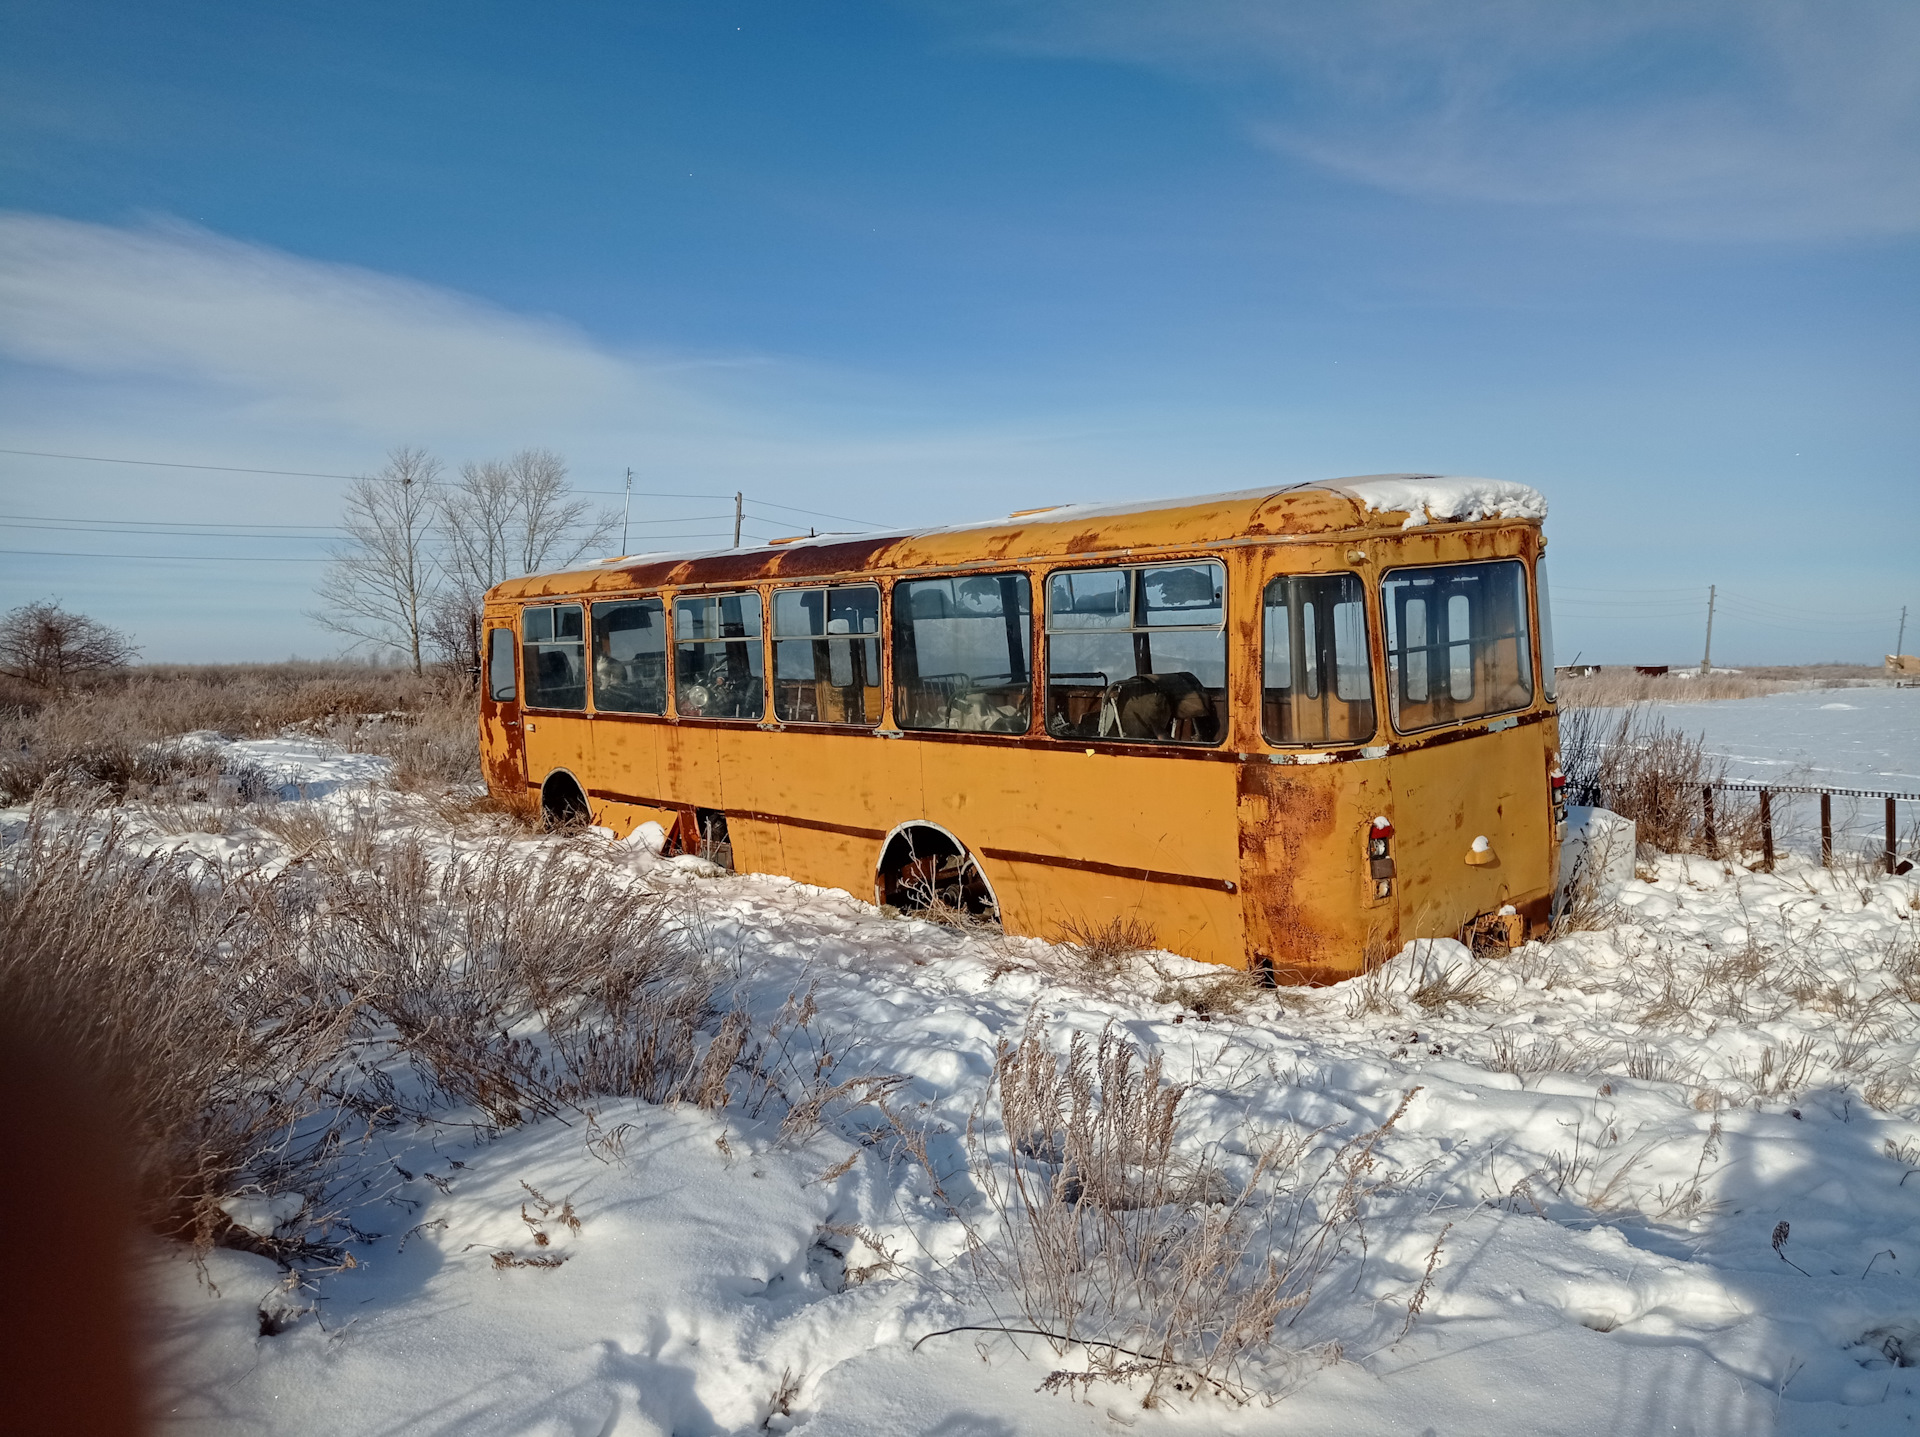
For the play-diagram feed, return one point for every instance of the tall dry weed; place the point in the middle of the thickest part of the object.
(1117, 1241)
(1637, 765)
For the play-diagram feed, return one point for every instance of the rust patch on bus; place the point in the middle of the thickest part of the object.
(1288, 848)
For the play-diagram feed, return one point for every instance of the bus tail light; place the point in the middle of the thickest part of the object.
(1557, 794)
(1380, 857)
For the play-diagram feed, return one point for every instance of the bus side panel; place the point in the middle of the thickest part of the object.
(836, 793)
(1308, 894)
(626, 759)
(1445, 796)
(1037, 899)
(1168, 816)
(559, 740)
(689, 765)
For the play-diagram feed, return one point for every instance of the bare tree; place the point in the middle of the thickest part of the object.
(506, 518)
(385, 578)
(44, 645)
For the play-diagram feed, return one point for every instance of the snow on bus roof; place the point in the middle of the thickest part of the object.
(1444, 498)
(1424, 498)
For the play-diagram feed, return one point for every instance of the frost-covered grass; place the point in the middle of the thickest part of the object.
(1544, 1192)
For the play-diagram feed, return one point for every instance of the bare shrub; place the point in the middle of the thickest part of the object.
(523, 983)
(49, 649)
(251, 1024)
(1158, 1266)
(1636, 765)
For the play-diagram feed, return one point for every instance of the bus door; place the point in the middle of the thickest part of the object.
(1472, 810)
(556, 731)
(502, 739)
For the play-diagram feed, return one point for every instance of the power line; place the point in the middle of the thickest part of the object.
(165, 464)
(188, 558)
(163, 523)
(444, 483)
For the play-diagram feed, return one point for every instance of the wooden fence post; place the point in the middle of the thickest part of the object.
(1891, 859)
(1766, 828)
(1706, 802)
(1826, 830)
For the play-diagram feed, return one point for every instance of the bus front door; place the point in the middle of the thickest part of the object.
(503, 745)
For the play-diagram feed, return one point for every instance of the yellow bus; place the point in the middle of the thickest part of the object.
(1288, 729)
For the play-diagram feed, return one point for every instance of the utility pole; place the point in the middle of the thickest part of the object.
(626, 515)
(737, 497)
(1899, 643)
(1706, 659)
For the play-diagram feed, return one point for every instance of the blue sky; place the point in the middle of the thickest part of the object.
(925, 262)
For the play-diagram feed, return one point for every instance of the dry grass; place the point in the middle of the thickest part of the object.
(1108, 949)
(253, 1025)
(184, 995)
(1635, 764)
(1159, 1268)
(1618, 687)
(123, 736)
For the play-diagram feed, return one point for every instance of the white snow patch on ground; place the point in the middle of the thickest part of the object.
(293, 768)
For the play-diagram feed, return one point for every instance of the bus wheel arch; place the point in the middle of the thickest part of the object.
(563, 801)
(923, 865)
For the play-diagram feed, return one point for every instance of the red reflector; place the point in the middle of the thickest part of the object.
(1382, 829)
(1559, 780)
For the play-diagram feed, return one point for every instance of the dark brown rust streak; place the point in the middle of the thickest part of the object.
(1111, 870)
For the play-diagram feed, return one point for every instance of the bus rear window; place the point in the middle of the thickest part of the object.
(1138, 653)
(1458, 646)
(963, 653)
(1318, 682)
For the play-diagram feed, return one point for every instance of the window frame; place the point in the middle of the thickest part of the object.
(511, 631)
(526, 689)
(1133, 630)
(1441, 675)
(771, 630)
(1368, 600)
(666, 628)
(675, 640)
(1034, 628)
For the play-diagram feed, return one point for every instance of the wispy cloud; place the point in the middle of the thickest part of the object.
(1715, 119)
(179, 341)
(293, 339)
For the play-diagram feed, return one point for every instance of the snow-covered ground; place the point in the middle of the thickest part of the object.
(1664, 1165)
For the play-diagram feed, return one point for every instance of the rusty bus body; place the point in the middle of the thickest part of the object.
(1253, 816)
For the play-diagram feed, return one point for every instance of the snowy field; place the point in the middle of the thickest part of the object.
(1650, 1177)
(1866, 738)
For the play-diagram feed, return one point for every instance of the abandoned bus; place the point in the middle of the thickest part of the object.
(1287, 729)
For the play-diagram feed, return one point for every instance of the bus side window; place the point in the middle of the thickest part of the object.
(554, 646)
(824, 670)
(718, 667)
(963, 653)
(1138, 653)
(1458, 643)
(1318, 682)
(630, 657)
(500, 676)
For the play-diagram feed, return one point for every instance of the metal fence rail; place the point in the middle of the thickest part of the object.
(1827, 796)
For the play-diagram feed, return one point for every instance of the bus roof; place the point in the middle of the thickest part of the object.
(1366, 502)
